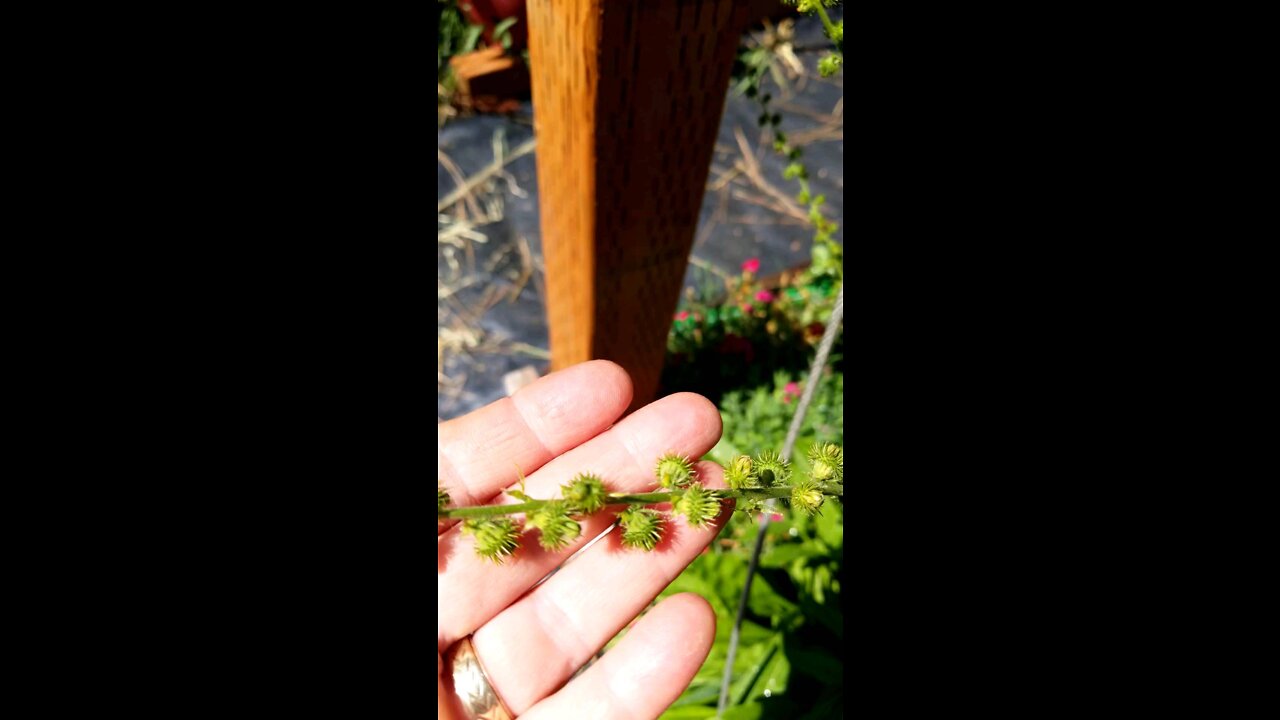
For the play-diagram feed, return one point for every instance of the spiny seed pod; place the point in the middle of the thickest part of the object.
(674, 471)
(772, 469)
(699, 505)
(739, 473)
(442, 498)
(806, 496)
(828, 462)
(641, 527)
(585, 494)
(496, 538)
(558, 530)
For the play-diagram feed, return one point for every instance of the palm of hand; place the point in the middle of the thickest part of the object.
(533, 640)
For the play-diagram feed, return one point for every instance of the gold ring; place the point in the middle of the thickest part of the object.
(471, 684)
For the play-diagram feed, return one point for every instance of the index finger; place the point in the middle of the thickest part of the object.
(478, 453)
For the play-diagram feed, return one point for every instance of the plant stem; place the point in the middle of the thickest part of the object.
(826, 21)
(650, 498)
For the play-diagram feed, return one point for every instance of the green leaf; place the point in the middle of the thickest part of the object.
(830, 527)
(470, 39)
(688, 712)
(504, 26)
(817, 663)
(749, 711)
(700, 693)
(766, 602)
(519, 495)
(782, 555)
(769, 671)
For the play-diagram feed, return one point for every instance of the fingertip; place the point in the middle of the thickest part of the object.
(703, 410)
(697, 621)
(613, 375)
(693, 604)
(570, 406)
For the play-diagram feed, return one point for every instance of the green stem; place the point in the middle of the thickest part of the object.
(826, 21)
(650, 498)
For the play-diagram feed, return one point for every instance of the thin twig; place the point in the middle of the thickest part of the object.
(751, 168)
(810, 387)
(699, 262)
(488, 171)
(458, 180)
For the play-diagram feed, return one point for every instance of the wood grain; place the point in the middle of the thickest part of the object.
(627, 98)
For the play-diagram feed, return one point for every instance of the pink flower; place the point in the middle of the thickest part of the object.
(682, 315)
(764, 296)
(791, 389)
(751, 265)
(773, 517)
(748, 307)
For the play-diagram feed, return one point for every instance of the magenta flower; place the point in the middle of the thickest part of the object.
(751, 265)
(791, 389)
(764, 296)
(682, 315)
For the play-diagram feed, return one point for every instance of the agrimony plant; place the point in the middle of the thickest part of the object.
(498, 531)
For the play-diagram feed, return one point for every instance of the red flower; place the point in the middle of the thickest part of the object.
(748, 307)
(682, 315)
(764, 296)
(751, 265)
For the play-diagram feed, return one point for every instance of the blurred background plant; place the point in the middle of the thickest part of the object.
(747, 346)
(790, 650)
(754, 327)
(465, 28)
(736, 335)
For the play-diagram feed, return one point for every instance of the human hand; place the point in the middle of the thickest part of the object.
(532, 641)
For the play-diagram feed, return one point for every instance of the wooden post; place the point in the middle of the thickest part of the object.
(627, 99)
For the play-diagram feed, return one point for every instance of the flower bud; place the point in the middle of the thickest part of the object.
(496, 539)
(641, 527)
(674, 471)
(772, 469)
(585, 494)
(806, 496)
(828, 462)
(699, 505)
(558, 530)
(739, 473)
